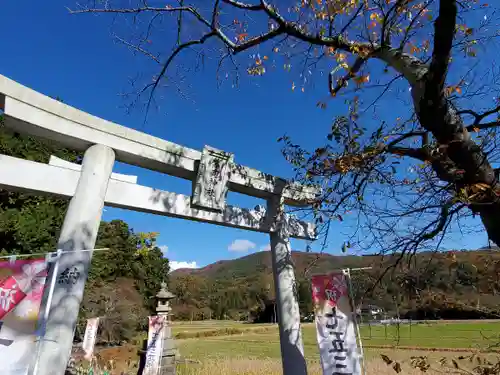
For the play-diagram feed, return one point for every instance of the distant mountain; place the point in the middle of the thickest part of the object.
(467, 279)
(261, 262)
(490, 247)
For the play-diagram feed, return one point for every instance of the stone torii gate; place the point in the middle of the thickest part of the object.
(92, 185)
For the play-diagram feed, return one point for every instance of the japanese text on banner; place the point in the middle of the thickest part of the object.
(155, 345)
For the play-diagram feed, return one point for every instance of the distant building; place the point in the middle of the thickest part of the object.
(370, 312)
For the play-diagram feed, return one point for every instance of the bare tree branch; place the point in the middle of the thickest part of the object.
(342, 82)
(244, 6)
(443, 41)
(478, 117)
(137, 48)
(486, 125)
(416, 153)
(179, 49)
(145, 9)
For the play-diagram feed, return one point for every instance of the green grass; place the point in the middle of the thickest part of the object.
(208, 325)
(264, 345)
(436, 335)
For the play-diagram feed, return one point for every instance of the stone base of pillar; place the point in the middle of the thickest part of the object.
(168, 365)
(169, 358)
(169, 355)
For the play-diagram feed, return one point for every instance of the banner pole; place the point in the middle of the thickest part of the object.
(49, 253)
(47, 309)
(52, 287)
(335, 270)
(347, 272)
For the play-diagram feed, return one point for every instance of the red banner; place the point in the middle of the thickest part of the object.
(329, 289)
(23, 278)
(21, 287)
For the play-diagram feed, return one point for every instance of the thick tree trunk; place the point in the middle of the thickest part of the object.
(438, 116)
(469, 159)
(462, 161)
(458, 159)
(490, 216)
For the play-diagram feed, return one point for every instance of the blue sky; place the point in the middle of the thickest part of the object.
(74, 57)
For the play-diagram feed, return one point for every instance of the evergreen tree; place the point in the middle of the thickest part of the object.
(122, 281)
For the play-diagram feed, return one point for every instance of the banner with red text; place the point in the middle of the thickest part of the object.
(21, 289)
(155, 345)
(90, 337)
(335, 324)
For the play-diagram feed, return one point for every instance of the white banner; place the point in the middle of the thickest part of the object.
(335, 325)
(155, 345)
(90, 337)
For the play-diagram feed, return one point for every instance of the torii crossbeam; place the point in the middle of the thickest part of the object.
(91, 185)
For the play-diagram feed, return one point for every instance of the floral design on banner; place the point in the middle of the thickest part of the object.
(21, 287)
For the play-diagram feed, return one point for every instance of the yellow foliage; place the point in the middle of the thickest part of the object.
(257, 70)
(346, 163)
(340, 56)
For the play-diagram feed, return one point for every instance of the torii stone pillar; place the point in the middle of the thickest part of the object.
(292, 348)
(79, 232)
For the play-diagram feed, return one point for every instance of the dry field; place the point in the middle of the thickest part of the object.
(229, 348)
(255, 350)
(242, 366)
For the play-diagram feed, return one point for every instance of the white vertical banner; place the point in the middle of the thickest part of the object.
(335, 324)
(155, 345)
(90, 337)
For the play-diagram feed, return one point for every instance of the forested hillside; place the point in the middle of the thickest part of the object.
(454, 284)
(122, 281)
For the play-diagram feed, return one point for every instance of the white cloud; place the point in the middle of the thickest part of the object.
(266, 247)
(163, 248)
(241, 246)
(175, 265)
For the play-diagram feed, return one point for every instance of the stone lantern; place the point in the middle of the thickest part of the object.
(169, 352)
(163, 302)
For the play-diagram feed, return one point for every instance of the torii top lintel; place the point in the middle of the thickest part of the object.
(31, 112)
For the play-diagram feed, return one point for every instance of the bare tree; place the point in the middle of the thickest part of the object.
(413, 145)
